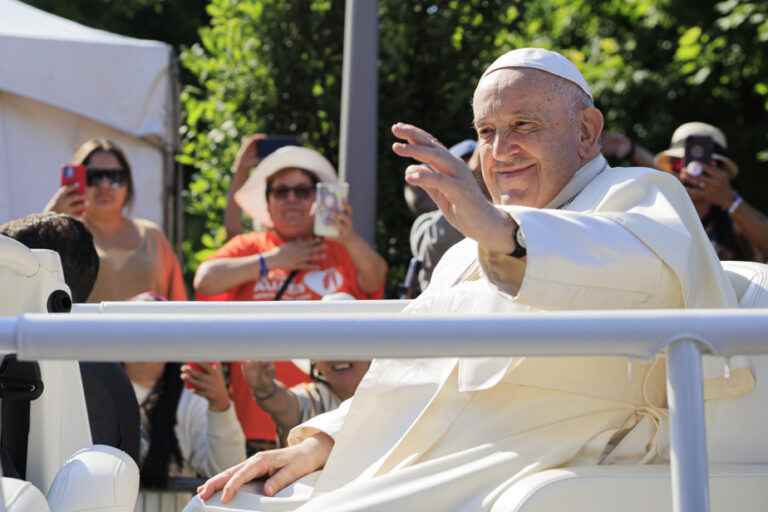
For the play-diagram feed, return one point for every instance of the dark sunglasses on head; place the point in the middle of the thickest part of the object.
(115, 177)
(299, 191)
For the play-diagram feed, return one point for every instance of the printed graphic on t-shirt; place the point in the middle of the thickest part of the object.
(305, 286)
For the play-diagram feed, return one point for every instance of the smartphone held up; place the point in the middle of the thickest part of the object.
(271, 143)
(74, 174)
(698, 152)
(329, 202)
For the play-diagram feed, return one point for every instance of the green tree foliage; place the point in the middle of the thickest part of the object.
(175, 22)
(275, 66)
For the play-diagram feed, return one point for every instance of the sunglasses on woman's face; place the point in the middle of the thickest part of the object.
(302, 192)
(116, 178)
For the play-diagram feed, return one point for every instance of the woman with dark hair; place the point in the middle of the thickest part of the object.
(134, 254)
(186, 431)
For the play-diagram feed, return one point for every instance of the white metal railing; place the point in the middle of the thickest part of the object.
(147, 331)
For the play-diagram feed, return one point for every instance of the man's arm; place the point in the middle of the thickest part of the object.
(593, 262)
(752, 224)
(714, 187)
(370, 266)
(278, 401)
(222, 274)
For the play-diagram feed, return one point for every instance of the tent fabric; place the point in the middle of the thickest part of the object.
(115, 80)
(36, 140)
(62, 83)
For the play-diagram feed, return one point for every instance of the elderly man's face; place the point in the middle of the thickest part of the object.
(528, 139)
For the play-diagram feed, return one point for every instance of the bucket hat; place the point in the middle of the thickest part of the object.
(252, 197)
(677, 146)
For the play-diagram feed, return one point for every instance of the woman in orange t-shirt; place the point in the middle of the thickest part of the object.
(286, 261)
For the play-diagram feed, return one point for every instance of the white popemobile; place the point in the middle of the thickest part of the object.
(61, 459)
(76, 476)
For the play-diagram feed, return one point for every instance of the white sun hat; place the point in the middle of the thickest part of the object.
(543, 60)
(677, 146)
(252, 197)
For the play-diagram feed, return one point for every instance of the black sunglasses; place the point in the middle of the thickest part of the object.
(115, 177)
(299, 192)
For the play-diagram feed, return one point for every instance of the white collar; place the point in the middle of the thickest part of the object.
(580, 179)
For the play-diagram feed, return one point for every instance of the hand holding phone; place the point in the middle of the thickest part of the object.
(74, 174)
(70, 198)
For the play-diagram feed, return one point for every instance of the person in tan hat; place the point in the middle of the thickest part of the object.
(284, 260)
(736, 229)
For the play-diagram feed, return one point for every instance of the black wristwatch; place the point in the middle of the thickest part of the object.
(520, 244)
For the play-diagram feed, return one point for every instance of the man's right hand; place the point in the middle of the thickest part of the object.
(452, 186)
(68, 200)
(298, 255)
(283, 467)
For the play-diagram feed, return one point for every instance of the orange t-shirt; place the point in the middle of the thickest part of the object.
(337, 274)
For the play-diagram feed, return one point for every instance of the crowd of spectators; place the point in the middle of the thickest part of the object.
(183, 419)
(180, 419)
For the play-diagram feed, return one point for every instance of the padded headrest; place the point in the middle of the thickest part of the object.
(96, 479)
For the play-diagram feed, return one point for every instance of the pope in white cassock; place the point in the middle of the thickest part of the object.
(565, 232)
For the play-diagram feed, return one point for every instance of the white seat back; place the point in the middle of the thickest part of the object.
(58, 422)
(631, 489)
(22, 496)
(735, 426)
(58, 418)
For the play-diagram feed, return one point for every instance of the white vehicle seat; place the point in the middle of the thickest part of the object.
(22, 496)
(737, 446)
(58, 424)
(33, 282)
(631, 489)
(97, 479)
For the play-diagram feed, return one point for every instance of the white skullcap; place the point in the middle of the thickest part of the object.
(543, 60)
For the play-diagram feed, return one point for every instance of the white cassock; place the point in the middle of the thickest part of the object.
(452, 434)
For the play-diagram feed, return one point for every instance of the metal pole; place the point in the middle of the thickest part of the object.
(359, 96)
(296, 307)
(163, 337)
(685, 390)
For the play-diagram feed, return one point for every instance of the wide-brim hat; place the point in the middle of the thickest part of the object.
(677, 146)
(252, 197)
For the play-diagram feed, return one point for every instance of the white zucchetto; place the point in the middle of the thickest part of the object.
(543, 60)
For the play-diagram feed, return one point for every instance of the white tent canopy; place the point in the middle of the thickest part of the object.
(62, 83)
